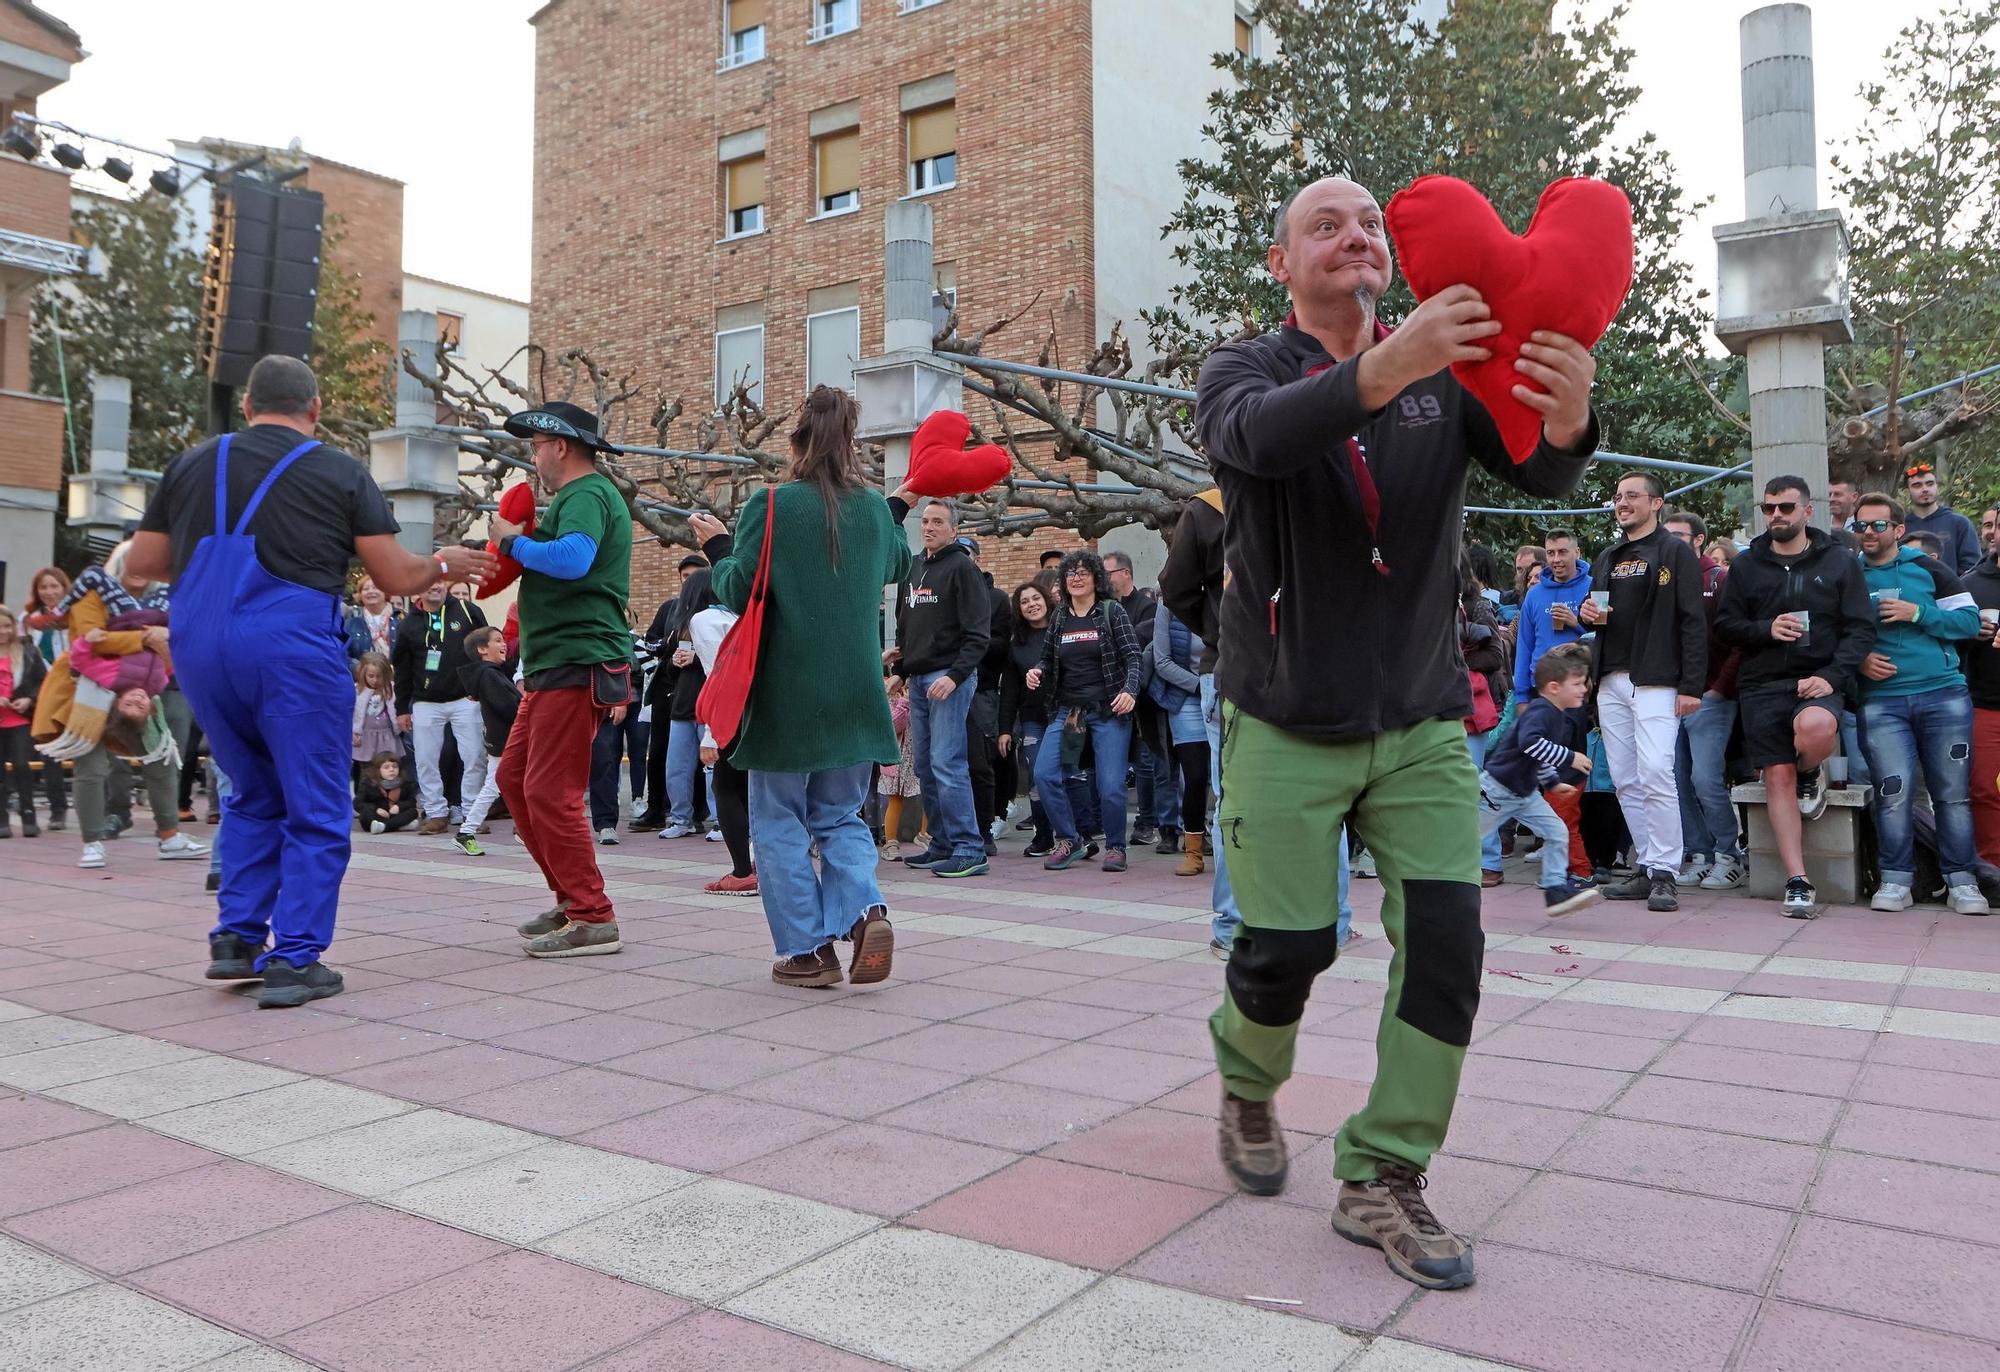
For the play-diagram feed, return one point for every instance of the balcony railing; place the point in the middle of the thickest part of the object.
(911, 6)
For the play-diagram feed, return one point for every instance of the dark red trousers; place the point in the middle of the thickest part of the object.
(544, 771)
(1569, 809)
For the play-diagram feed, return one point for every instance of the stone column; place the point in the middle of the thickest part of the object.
(412, 462)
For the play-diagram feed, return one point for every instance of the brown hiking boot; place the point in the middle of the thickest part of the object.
(874, 947)
(434, 826)
(1252, 1145)
(821, 968)
(1390, 1213)
(1191, 863)
(577, 940)
(546, 922)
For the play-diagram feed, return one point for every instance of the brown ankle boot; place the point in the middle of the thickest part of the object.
(1191, 863)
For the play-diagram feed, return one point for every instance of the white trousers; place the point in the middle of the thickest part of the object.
(476, 812)
(428, 721)
(1641, 733)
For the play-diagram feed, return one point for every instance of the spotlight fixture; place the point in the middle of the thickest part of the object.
(118, 169)
(69, 154)
(20, 142)
(167, 181)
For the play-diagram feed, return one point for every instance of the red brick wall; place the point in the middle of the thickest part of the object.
(628, 110)
(16, 27)
(370, 208)
(31, 441)
(34, 199)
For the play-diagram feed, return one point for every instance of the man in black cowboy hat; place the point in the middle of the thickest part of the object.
(575, 662)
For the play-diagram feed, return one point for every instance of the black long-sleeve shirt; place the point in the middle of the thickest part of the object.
(944, 617)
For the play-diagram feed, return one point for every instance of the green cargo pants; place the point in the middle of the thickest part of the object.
(1413, 797)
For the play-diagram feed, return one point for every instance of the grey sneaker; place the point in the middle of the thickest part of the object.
(1801, 900)
(1252, 1145)
(1390, 1213)
(1664, 896)
(577, 940)
(1638, 886)
(546, 922)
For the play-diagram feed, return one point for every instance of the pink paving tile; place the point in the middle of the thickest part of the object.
(1694, 1238)
(1934, 1283)
(1580, 1317)
(247, 1035)
(596, 1038)
(1731, 1109)
(1808, 1040)
(1254, 1247)
(851, 1087)
(1163, 1144)
(1729, 1166)
(717, 969)
(1004, 1114)
(830, 1028)
(345, 1050)
(437, 962)
(1953, 1140)
(1908, 1195)
(714, 1342)
(571, 1102)
(921, 964)
(1540, 1043)
(496, 1315)
(928, 1000)
(1793, 1338)
(153, 1221)
(1324, 1054)
(77, 1165)
(491, 1017)
(1666, 974)
(30, 1119)
(1942, 1055)
(1540, 1083)
(406, 998)
(1501, 1131)
(714, 1007)
(1609, 1019)
(1125, 1074)
(1466, 1192)
(1033, 1017)
(115, 988)
(711, 1133)
(1116, 993)
(1943, 998)
(1011, 981)
(46, 972)
(1188, 1038)
(1777, 984)
(608, 990)
(1307, 1104)
(868, 1167)
(451, 1073)
(1752, 1067)
(713, 1062)
(960, 1048)
(522, 976)
(1916, 1088)
(313, 1269)
(1073, 1214)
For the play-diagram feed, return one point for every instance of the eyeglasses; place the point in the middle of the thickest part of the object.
(1771, 507)
(1082, 572)
(1874, 526)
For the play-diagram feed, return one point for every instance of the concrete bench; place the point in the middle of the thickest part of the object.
(1833, 845)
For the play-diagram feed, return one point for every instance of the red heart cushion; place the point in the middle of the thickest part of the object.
(941, 464)
(517, 506)
(1568, 273)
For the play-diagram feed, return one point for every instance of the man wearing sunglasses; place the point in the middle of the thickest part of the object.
(1797, 606)
(1914, 702)
(1926, 516)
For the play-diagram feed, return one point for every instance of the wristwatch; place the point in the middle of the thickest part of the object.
(506, 545)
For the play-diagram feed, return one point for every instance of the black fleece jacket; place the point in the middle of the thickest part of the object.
(1982, 660)
(1191, 582)
(499, 700)
(414, 640)
(1824, 580)
(1316, 637)
(944, 617)
(1657, 612)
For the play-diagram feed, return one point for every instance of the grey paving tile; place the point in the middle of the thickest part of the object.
(282, 1114)
(156, 1090)
(390, 1154)
(88, 1060)
(1122, 1325)
(709, 1240)
(256, 1359)
(35, 1030)
(1398, 1355)
(106, 1328)
(28, 1274)
(529, 1196)
(919, 1300)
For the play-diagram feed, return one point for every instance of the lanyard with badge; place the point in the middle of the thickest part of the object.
(434, 652)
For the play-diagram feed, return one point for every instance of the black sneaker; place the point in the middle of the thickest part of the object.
(1143, 834)
(1812, 793)
(928, 858)
(231, 959)
(1664, 897)
(214, 882)
(287, 987)
(1801, 901)
(1568, 898)
(1039, 847)
(1169, 842)
(992, 848)
(971, 866)
(1638, 886)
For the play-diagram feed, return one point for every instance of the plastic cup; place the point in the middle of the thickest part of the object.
(1889, 593)
(1804, 617)
(1989, 617)
(1602, 600)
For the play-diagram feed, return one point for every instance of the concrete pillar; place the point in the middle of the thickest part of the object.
(110, 424)
(412, 462)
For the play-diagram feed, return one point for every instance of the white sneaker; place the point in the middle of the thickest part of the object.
(713, 836)
(1968, 900)
(1728, 873)
(93, 855)
(677, 831)
(376, 826)
(1363, 864)
(1697, 870)
(181, 848)
(607, 836)
(1801, 901)
(1890, 896)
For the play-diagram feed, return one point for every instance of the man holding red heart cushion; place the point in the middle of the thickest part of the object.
(1342, 449)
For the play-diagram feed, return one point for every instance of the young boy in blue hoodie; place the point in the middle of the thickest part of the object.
(1543, 751)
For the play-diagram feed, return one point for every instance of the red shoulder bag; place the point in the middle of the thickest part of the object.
(726, 694)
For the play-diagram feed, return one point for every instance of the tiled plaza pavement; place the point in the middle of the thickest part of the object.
(1717, 1139)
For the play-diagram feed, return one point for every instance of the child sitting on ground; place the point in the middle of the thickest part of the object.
(1538, 752)
(383, 804)
(487, 681)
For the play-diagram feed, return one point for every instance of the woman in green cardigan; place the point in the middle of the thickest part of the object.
(818, 717)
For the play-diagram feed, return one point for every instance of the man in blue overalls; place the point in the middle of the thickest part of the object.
(257, 530)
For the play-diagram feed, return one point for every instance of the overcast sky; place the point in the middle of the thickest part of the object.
(439, 93)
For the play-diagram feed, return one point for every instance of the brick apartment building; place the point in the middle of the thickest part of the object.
(711, 177)
(37, 51)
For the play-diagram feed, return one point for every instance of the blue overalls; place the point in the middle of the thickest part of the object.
(264, 664)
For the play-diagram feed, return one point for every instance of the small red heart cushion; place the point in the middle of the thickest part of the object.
(1568, 274)
(941, 464)
(517, 506)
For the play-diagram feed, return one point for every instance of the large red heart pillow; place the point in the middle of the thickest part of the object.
(941, 465)
(1568, 273)
(517, 506)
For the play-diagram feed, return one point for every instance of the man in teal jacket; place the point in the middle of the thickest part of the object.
(1915, 707)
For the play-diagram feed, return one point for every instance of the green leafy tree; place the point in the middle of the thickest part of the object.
(1498, 94)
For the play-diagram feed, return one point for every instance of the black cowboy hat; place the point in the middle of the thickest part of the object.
(559, 419)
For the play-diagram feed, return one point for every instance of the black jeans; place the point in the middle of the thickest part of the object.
(16, 751)
(732, 814)
(982, 751)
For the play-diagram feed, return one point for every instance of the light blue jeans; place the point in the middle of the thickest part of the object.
(1708, 816)
(789, 811)
(944, 768)
(1497, 805)
(683, 765)
(1223, 900)
(1931, 730)
(219, 792)
(1489, 842)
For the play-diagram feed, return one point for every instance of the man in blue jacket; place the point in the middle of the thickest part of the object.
(1549, 609)
(1916, 707)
